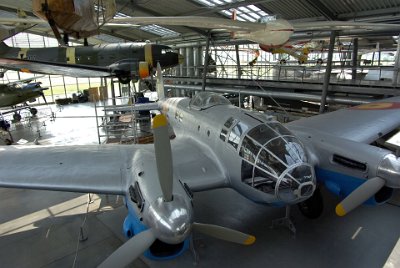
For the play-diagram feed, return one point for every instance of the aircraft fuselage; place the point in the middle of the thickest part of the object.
(11, 95)
(121, 60)
(250, 163)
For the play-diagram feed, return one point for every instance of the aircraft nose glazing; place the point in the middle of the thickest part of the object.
(296, 184)
(171, 220)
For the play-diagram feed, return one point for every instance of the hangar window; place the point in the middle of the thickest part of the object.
(244, 12)
(158, 30)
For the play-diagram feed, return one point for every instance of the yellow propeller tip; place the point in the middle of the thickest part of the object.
(159, 121)
(250, 240)
(340, 211)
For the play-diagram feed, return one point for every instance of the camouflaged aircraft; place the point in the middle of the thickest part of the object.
(126, 61)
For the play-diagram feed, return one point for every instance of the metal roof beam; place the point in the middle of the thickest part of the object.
(215, 10)
(153, 13)
(394, 11)
(318, 5)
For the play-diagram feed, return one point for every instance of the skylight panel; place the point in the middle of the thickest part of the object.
(243, 13)
(108, 38)
(158, 30)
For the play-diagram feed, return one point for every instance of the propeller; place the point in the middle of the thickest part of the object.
(138, 244)
(130, 250)
(224, 233)
(162, 148)
(360, 195)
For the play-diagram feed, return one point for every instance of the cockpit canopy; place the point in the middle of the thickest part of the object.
(204, 100)
(274, 161)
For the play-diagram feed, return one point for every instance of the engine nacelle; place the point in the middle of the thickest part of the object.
(144, 70)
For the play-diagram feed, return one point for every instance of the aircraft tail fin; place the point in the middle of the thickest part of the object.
(160, 83)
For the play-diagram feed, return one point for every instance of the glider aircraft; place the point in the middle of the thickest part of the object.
(217, 145)
(271, 34)
(125, 61)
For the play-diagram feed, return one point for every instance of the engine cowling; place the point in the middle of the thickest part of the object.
(144, 69)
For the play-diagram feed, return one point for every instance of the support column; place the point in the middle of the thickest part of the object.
(354, 59)
(206, 60)
(190, 62)
(328, 70)
(239, 69)
(113, 92)
(396, 68)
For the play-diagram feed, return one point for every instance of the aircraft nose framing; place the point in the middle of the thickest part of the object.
(275, 162)
(296, 183)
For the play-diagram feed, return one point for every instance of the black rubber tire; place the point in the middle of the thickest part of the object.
(17, 117)
(7, 141)
(313, 207)
(124, 79)
(33, 111)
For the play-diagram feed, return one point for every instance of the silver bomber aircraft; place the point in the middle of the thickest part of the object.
(216, 145)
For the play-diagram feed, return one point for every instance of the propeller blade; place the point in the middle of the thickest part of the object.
(360, 195)
(162, 148)
(224, 233)
(130, 250)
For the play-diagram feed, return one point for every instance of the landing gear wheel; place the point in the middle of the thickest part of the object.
(312, 208)
(17, 117)
(7, 141)
(124, 79)
(33, 111)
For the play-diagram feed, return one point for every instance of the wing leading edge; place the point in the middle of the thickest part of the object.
(364, 123)
(94, 169)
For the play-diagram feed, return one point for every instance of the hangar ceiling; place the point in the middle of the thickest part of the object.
(384, 11)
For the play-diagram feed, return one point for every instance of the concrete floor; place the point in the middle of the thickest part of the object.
(41, 228)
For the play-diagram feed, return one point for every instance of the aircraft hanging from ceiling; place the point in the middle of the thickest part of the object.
(22, 91)
(268, 32)
(80, 19)
(218, 145)
(127, 61)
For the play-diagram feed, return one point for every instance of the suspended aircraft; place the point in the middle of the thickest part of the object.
(217, 145)
(20, 92)
(127, 61)
(270, 33)
(79, 19)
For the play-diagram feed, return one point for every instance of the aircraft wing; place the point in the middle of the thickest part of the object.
(93, 168)
(147, 106)
(10, 21)
(196, 166)
(364, 123)
(342, 25)
(194, 21)
(45, 67)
